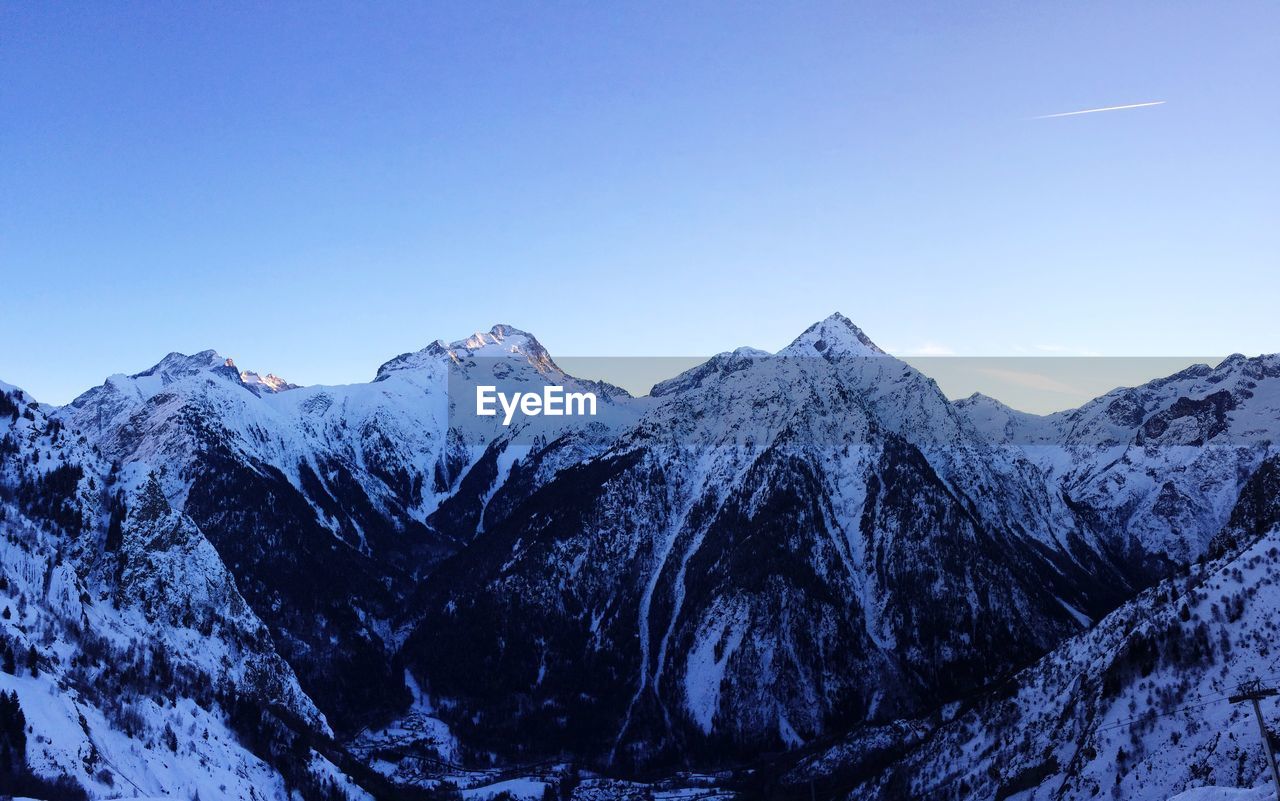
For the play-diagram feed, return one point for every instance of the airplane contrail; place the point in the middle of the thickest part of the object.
(1096, 110)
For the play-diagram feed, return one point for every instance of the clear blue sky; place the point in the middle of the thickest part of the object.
(313, 188)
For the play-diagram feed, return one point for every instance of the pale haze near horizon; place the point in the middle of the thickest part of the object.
(314, 190)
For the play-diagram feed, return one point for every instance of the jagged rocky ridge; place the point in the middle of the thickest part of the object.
(765, 553)
(141, 669)
(787, 546)
(1136, 708)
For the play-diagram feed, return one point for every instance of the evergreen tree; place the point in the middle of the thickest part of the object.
(13, 739)
(115, 526)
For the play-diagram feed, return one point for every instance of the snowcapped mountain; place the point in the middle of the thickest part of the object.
(325, 502)
(649, 599)
(1137, 708)
(267, 383)
(242, 587)
(1160, 466)
(123, 637)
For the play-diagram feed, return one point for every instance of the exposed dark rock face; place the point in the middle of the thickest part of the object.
(678, 596)
(316, 591)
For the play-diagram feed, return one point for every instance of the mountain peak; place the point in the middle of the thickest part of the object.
(501, 338)
(834, 337)
(178, 365)
(979, 399)
(500, 341)
(729, 361)
(269, 383)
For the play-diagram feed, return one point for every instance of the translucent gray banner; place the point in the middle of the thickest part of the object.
(1034, 401)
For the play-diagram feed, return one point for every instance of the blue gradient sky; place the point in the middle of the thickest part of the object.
(312, 189)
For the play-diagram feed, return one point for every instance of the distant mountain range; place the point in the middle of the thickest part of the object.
(779, 571)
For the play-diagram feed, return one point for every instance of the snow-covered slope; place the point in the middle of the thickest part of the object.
(133, 657)
(771, 552)
(1137, 708)
(325, 502)
(1158, 466)
(782, 546)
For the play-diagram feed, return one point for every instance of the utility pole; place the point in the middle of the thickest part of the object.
(1253, 691)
